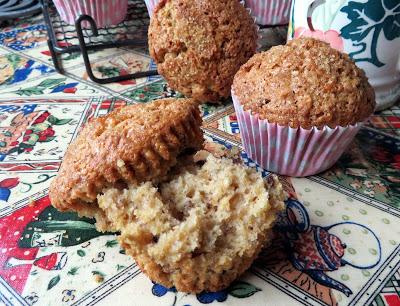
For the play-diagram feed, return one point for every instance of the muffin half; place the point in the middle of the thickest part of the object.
(201, 229)
(130, 145)
(188, 222)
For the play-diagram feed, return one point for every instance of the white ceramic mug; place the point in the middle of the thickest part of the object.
(368, 30)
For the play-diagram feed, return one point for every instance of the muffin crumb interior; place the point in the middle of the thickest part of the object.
(226, 209)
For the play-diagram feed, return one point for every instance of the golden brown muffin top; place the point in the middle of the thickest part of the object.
(304, 83)
(199, 45)
(130, 145)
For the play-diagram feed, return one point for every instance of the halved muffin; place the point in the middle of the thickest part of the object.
(130, 145)
(189, 221)
(199, 230)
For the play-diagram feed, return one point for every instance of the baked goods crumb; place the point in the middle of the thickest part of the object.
(98, 278)
(200, 230)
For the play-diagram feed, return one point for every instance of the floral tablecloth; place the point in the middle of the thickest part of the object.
(337, 244)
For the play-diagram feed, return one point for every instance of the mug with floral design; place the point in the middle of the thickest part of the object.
(368, 30)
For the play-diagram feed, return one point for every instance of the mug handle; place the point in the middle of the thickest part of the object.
(310, 11)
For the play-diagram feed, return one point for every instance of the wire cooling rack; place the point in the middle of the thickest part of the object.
(84, 36)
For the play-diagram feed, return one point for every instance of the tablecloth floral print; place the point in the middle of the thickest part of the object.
(337, 243)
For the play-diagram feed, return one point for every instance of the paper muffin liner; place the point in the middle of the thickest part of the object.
(270, 12)
(292, 151)
(259, 36)
(151, 4)
(104, 12)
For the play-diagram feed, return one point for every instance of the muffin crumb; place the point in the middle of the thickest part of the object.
(200, 230)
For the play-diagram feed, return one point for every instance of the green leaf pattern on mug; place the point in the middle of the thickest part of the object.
(371, 19)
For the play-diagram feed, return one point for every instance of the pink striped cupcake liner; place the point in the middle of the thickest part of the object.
(270, 12)
(151, 4)
(104, 12)
(292, 151)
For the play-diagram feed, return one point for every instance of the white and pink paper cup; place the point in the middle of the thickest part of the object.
(292, 151)
(104, 12)
(270, 12)
(151, 5)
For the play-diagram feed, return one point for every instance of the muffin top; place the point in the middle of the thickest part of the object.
(304, 83)
(199, 45)
(130, 145)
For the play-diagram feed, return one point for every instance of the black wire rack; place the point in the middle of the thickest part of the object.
(10, 9)
(65, 38)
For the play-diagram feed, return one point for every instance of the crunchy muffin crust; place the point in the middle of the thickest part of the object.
(304, 83)
(130, 145)
(199, 45)
(200, 230)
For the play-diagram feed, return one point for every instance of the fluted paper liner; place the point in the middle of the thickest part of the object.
(104, 12)
(270, 12)
(292, 151)
(151, 4)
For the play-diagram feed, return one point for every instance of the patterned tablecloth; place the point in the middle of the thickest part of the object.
(340, 245)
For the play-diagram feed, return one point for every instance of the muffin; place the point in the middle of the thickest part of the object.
(200, 230)
(189, 219)
(300, 105)
(199, 45)
(130, 145)
(99, 10)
